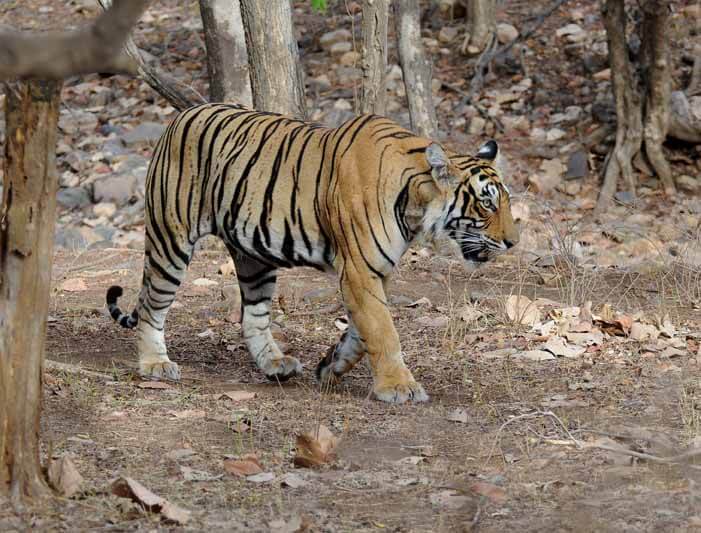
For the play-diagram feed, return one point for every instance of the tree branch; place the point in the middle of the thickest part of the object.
(58, 55)
(178, 94)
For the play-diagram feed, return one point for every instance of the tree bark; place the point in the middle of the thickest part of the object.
(58, 55)
(277, 80)
(416, 68)
(373, 94)
(227, 58)
(659, 87)
(176, 93)
(26, 252)
(481, 25)
(642, 98)
(629, 127)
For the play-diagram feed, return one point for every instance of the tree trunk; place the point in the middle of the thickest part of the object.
(374, 61)
(227, 59)
(642, 98)
(26, 252)
(416, 68)
(277, 81)
(659, 86)
(481, 25)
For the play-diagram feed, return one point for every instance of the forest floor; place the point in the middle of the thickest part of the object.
(553, 415)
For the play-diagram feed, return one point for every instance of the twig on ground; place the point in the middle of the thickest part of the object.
(73, 369)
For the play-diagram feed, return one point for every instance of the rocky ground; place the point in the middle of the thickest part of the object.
(483, 453)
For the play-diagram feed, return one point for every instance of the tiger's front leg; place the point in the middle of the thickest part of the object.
(257, 284)
(365, 300)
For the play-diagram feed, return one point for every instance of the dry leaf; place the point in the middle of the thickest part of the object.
(449, 499)
(315, 449)
(534, 355)
(153, 385)
(457, 415)
(190, 474)
(641, 332)
(521, 310)
(292, 480)
(420, 302)
(74, 285)
(558, 346)
(126, 487)
(237, 395)
(204, 282)
(433, 322)
(492, 492)
(187, 413)
(64, 477)
(247, 465)
(470, 314)
(263, 477)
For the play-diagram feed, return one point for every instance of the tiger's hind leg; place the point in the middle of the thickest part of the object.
(257, 284)
(162, 277)
(341, 357)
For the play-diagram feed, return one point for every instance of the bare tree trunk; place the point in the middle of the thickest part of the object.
(416, 68)
(227, 59)
(481, 25)
(277, 80)
(26, 253)
(656, 63)
(642, 114)
(374, 61)
(629, 128)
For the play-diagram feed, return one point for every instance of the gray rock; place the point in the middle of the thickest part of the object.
(144, 133)
(116, 189)
(330, 38)
(74, 120)
(688, 183)
(73, 197)
(114, 147)
(577, 165)
(506, 33)
(625, 197)
(447, 34)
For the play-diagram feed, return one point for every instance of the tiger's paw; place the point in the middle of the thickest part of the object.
(324, 370)
(282, 368)
(167, 370)
(400, 392)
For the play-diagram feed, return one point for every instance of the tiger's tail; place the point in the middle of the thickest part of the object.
(124, 320)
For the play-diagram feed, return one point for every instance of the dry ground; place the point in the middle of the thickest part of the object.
(399, 468)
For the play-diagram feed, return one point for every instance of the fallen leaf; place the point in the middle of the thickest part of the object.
(64, 477)
(492, 492)
(74, 285)
(237, 395)
(594, 337)
(534, 355)
(448, 499)
(457, 415)
(642, 332)
(521, 310)
(315, 449)
(190, 474)
(411, 460)
(470, 314)
(204, 282)
(667, 329)
(248, 465)
(433, 322)
(126, 487)
(180, 453)
(341, 323)
(557, 346)
(187, 413)
(420, 303)
(263, 477)
(153, 385)
(292, 480)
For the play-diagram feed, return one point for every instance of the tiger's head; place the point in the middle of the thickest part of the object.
(476, 210)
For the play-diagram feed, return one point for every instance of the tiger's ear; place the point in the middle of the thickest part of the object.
(489, 151)
(437, 158)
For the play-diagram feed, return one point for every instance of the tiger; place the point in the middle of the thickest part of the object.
(281, 192)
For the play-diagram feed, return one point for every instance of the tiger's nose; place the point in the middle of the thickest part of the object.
(509, 244)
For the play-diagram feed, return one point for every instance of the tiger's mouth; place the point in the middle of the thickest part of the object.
(481, 255)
